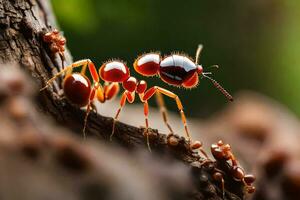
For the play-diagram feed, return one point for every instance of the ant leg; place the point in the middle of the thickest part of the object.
(96, 87)
(111, 90)
(94, 108)
(88, 110)
(126, 96)
(218, 176)
(197, 145)
(163, 110)
(146, 112)
(62, 58)
(150, 92)
(68, 70)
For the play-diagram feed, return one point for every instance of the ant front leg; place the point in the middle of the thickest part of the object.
(150, 92)
(95, 88)
(88, 110)
(126, 96)
(111, 90)
(163, 110)
(108, 92)
(68, 70)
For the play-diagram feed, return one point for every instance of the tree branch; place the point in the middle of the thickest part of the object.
(22, 24)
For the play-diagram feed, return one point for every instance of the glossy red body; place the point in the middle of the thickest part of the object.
(192, 82)
(77, 89)
(114, 71)
(141, 87)
(148, 64)
(175, 70)
(130, 84)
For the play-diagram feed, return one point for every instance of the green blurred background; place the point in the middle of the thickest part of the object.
(255, 43)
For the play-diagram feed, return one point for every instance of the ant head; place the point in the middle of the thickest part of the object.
(217, 152)
(199, 70)
(194, 80)
(191, 82)
(221, 151)
(114, 71)
(220, 143)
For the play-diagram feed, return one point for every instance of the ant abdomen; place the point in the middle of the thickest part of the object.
(77, 89)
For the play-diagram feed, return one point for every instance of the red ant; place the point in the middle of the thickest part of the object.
(176, 70)
(222, 152)
(57, 43)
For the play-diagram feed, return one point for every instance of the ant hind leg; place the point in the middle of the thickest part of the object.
(163, 110)
(89, 108)
(68, 70)
(146, 112)
(151, 91)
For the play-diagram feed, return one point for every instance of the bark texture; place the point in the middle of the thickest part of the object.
(22, 24)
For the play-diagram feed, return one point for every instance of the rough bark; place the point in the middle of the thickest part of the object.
(22, 23)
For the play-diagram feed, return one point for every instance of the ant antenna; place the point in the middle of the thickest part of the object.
(214, 66)
(207, 73)
(198, 52)
(219, 87)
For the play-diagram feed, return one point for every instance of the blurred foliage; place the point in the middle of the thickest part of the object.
(256, 43)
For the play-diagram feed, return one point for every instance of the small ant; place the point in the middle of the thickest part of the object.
(222, 152)
(176, 70)
(57, 43)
